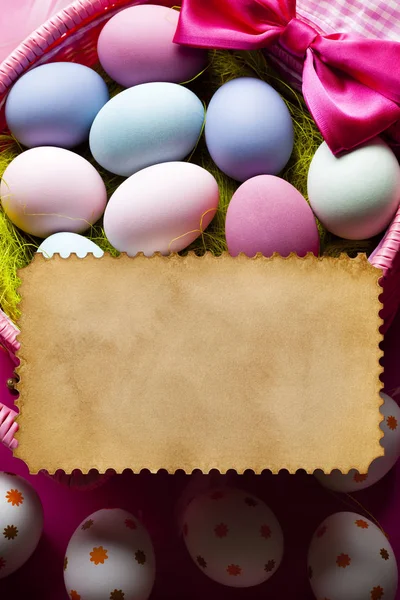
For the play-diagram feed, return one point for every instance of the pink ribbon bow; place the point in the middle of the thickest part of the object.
(351, 84)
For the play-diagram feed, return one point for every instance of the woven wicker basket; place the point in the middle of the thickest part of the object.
(71, 35)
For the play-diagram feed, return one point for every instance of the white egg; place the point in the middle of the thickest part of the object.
(198, 484)
(356, 195)
(351, 559)
(353, 480)
(45, 190)
(233, 537)
(162, 208)
(21, 522)
(109, 557)
(66, 243)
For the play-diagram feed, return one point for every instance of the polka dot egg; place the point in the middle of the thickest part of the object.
(351, 559)
(233, 537)
(354, 481)
(109, 557)
(21, 522)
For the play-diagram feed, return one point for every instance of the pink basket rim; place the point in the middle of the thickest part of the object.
(8, 336)
(53, 29)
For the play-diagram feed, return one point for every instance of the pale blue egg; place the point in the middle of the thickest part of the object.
(55, 105)
(65, 243)
(249, 130)
(146, 125)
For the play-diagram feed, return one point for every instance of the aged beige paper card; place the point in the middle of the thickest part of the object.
(199, 363)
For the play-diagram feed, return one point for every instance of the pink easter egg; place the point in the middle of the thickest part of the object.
(136, 46)
(267, 214)
(46, 190)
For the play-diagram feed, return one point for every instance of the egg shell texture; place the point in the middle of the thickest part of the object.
(65, 243)
(233, 537)
(136, 46)
(47, 190)
(110, 555)
(249, 130)
(351, 559)
(162, 208)
(21, 522)
(354, 481)
(356, 195)
(55, 105)
(145, 125)
(267, 214)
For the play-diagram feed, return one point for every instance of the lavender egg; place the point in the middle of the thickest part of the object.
(249, 130)
(55, 105)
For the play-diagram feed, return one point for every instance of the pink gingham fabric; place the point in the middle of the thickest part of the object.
(377, 19)
(372, 18)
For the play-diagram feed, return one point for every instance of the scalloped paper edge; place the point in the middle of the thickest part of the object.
(33, 419)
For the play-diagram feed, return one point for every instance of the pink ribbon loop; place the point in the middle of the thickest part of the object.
(297, 37)
(350, 83)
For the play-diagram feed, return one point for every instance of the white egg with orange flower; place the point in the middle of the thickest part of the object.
(233, 537)
(110, 556)
(21, 522)
(354, 481)
(350, 558)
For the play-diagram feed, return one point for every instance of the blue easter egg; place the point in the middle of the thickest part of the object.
(55, 104)
(145, 125)
(248, 129)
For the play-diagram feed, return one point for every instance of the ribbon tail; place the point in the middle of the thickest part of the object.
(347, 112)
